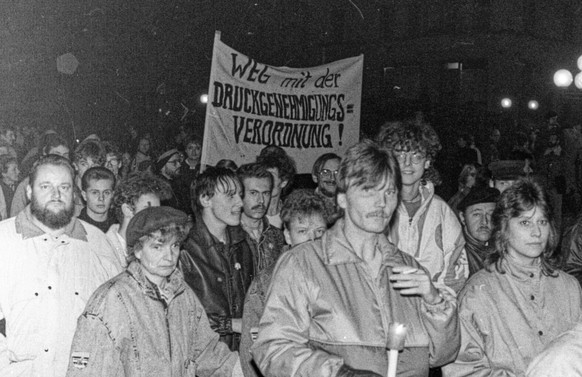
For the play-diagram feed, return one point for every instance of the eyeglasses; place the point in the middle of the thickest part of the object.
(415, 157)
(326, 173)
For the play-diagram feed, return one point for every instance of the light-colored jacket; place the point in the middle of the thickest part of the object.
(45, 283)
(132, 328)
(562, 357)
(118, 244)
(325, 309)
(434, 237)
(507, 319)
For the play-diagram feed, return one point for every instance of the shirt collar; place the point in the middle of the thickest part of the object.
(338, 250)
(26, 227)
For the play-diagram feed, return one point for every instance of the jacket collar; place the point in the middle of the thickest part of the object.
(337, 249)
(27, 229)
(202, 236)
(173, 287)
(520, 271)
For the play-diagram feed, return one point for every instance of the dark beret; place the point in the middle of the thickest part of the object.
(483, 194)
(150, 219)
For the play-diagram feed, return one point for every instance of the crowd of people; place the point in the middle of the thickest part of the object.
(128, 263)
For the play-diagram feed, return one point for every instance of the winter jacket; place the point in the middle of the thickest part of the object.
(562, 357)
(45, 282)
(131, 327)
(325, 309)
(269, 246)
(508, 318)
(434, 237)
(220, 275)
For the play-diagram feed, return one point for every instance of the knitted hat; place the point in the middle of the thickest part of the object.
(150, 220)
(483, 194)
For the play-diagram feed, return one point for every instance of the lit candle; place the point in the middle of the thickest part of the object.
(396, 337)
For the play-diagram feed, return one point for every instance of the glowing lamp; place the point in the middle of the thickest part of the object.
(578, 80)
(506, 103)
(533, 104)
(563, 78)
(580, 62)
(204, 98)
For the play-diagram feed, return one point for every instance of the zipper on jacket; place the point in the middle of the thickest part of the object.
(168, 329)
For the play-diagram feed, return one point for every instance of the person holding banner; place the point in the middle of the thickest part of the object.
(331, 301)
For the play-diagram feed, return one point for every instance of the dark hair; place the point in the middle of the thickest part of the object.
(189, 139)
(111, 148)
(92, 149)
(321, 160)
(284, 164)
(209, 182)
(367, 164)
(130, 189)
(6, 160)
(166, 232)
(96, 173)
(412, 136)
(50, 141)
(254, 170)
(50, 159)
(302, 203)
(524, 195)
(229, 164)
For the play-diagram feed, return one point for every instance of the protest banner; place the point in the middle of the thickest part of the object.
(306, 111)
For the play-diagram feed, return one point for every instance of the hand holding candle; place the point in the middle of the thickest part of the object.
(396, 337)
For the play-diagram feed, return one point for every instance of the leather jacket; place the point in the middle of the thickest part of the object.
(220, 275)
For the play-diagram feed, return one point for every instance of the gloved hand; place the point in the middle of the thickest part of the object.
(346, 371)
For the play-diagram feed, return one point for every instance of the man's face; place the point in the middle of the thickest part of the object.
(193, 151)
(112, 163)
(225, 206)
(12, 173)
(303, 228)
(159, 257)
(256, 197)
(98, 196)
(172, 167)
(326, 179)
(83, 165)
(369, 209)
(51, 196)
(278, 183)
(495, 136)
(477, 220)
(144, 146)
(503, 184)
(412, 166)
(9, 137)
(60, 150)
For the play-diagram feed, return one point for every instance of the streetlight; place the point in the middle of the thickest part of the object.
(563, 78)
(533, 104)
(506, 103)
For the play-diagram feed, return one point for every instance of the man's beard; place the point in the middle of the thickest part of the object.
(51, 219)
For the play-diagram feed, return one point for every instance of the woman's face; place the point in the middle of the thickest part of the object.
(471, 178)
(528, 236)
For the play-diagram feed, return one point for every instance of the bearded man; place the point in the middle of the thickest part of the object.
(50, 264)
